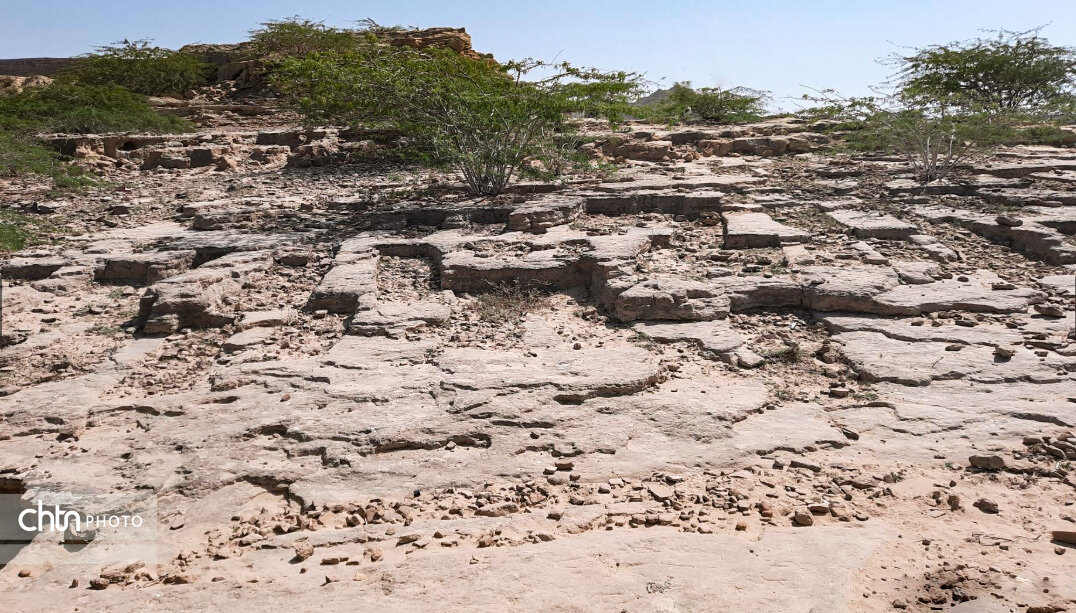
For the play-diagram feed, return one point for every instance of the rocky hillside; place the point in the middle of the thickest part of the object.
(740, 372)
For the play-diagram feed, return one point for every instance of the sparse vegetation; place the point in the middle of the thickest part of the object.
(141, 68)
(790, 353)
(19, 231)
(935, 141)
(508, 302)
(956, 102)
(1045, 134)
(13, 236)
(643, 340)
(22, 156)
(865, 395)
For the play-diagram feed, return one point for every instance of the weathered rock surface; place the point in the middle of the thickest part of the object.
(683, 386)
(713, 337)
(868, 224)
(146, 268)
(752, 230)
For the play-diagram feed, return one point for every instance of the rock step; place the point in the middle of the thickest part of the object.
(869, 224)
(1039, 236)
(754, 230)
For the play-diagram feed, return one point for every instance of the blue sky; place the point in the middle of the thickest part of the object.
(778, 45)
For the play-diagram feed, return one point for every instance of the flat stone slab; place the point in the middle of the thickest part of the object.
(716, 338)
(974, 295)
(1040, 236)
(792, 428)
(32, 269)
(544, 213)
(265, 319)
(667, 201)
(689, 182)
(963, 402)
(212, 244)
(247, 339)
(465, 271)
(672, 299)
(904, 330)
(395, 319)
(576, 375)
(877, 357)
(134, 351)
(839, 204)
(350, 285)
(934, 248)
(753, 230)
(1027, 167)
(148, 268)
(846, 288)
(1063, 176)
(869, 224)
(1066, 284)
(368, 353)
(683, 416)
(625, 570)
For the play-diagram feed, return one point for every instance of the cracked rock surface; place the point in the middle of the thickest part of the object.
(737, 375)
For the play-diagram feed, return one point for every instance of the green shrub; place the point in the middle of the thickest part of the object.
(66, 106)
(21, 156)
(476, 116)
(13, 237)
(1013, 71)
(19, 231)
(84, 109)
(298, 37)
(141, 68)
(711, 105)
(956, 102)
(1044, 134)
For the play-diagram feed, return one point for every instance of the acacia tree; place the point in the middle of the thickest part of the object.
(934, 141)
(1014, 71)
(955, 102)
(710, 104)
(934, 137)
(480, 117)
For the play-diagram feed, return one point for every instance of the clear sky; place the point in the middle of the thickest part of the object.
(779, 45)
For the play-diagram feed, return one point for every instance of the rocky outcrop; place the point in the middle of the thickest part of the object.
(11, 84)
(200, 298)
(143, 268)
(456, 39)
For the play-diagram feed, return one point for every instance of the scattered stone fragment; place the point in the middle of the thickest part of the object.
(987, 462)
(802, 517)
(303, 550)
